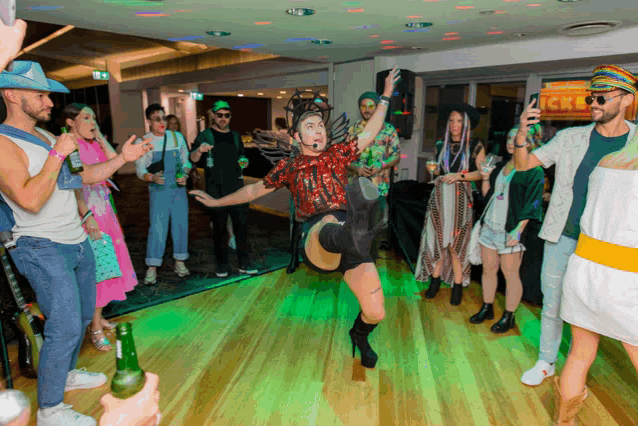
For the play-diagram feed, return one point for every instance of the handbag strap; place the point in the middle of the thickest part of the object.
(487, 207)
(164, 149)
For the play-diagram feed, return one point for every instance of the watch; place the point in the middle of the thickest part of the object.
(462, 176)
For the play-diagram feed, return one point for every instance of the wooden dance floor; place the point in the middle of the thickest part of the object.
(274, 350)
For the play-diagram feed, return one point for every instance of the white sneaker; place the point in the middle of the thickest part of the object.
(538, 373)
(181, 270)
(151, 276)
(63, 415)
(82, 379)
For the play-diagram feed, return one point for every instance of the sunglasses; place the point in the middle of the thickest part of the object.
(159, 119)
(600, 99)
(220, 115)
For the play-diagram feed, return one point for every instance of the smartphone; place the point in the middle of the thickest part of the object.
(8, 16)
(537, 97)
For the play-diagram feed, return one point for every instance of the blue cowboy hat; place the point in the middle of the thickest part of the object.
(29, 75)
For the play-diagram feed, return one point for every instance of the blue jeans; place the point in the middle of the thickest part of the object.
(167, 204)
(63, 278)
(555, 258)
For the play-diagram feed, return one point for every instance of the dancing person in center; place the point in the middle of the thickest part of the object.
(450, 217)
(575, 151)
(515, 199)
(340, 220)
(81, 122)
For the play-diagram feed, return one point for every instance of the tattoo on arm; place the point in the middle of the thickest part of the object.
(376, 291)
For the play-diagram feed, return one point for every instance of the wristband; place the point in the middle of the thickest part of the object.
(87, 216)
(384, 98)
(520, 146)
(384, 102)
(56, 154)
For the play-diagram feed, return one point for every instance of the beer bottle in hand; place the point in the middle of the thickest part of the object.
(129, 378)
(73, 159)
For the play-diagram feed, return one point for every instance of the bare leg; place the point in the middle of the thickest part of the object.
(490, 270)
(580, 359)
(510, 265)
(365, 284)
(315, 252)
(437, 268)
(632, 351)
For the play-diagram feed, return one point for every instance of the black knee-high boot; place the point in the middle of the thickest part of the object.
(359, 337)
(294, 247)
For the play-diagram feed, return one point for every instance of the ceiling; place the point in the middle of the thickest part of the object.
(261, 93)
(263, 26)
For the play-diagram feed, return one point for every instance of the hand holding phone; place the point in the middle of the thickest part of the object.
(535, 96)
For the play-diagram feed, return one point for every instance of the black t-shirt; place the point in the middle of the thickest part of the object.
(224, 177)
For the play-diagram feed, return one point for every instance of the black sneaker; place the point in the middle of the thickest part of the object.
(222, 272)
(248, 270)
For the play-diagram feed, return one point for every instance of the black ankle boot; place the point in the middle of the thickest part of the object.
(435, 284)
(506, 323)
(457, 294)
(486, 312)
(359, 337)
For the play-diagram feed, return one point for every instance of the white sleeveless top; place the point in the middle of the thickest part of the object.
(58, 220)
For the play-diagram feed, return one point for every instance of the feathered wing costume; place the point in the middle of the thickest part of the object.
(276, 146)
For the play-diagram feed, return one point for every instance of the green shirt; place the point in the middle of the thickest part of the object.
(599, 146)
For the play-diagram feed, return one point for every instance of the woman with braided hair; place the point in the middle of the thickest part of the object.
(450, 217)
(340, 220)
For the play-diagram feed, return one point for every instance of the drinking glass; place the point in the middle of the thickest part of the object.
(432, 166)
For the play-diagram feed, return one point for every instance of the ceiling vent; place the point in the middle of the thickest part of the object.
(589, 28)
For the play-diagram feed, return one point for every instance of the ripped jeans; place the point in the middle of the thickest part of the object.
(555, 258)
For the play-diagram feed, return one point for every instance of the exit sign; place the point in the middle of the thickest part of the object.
(197, 96)
(100, 75)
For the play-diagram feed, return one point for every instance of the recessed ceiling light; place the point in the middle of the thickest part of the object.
(263, 23)
(322, 94)
(283, 92)
(300, 11)
(415, 16)
(181, 90)
(387, 42)
(521, 34)
(260, 94)
(418, 24)
(374, 36)
(451, 38)
(355, 10)
(463, 7)
(321, 42)
(278, 97)
(495, 32)
(240, 94)
(218, 33)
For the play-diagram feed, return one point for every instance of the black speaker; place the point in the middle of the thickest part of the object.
(401, 110)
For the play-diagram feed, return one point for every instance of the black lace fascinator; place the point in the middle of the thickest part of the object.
(276, 145)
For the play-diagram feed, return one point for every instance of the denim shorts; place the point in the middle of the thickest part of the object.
(497, 240)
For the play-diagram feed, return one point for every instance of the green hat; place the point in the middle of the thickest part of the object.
(220, 105)
(369, 95)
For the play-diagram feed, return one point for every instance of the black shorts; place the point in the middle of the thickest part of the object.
(348, 260)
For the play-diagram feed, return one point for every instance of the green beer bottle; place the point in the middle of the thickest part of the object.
(129, 378)
(73, 159)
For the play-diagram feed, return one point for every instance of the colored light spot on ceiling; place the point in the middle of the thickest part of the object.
(248, 46)
(415, 16)
(363, 27)
(183, 11)
(263, 23)
(44, 7)
(451, 34)
(390, 47)
(374, 36)
(451, 38)
(359, 10)
(500, 12)
(420, 30)
(533, 5)
(463, 7)
(495, 32)
(387, 42)
(185, 38)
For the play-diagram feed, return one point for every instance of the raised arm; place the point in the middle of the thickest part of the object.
(376, 121)
(242, 196)
(523, 160)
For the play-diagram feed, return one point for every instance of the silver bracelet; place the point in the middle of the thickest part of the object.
(384, 102)
(87, 216)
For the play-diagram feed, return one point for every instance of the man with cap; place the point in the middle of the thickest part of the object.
(575, 151)
(379, 158)
(220, 152)
(167, 193)
(43, 232)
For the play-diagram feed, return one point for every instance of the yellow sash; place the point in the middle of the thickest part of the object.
(608, 254)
